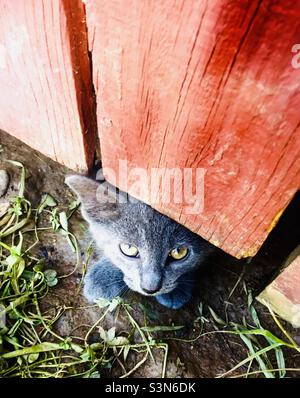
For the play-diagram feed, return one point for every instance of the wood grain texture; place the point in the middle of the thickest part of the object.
(203, 84)
(46, 96)
(283, 294)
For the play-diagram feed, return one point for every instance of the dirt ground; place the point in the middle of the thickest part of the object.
(210, 355)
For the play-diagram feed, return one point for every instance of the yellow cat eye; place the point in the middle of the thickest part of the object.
(129, 250)
(178, 253)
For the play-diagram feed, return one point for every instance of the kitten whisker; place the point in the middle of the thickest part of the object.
(122, 291)
(186, 285)
(180, 289)
(126, 291)
(188, 280)
(113, 283)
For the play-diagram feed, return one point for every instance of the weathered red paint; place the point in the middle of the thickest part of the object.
(179, 84)
(46, 97)
(203, 84)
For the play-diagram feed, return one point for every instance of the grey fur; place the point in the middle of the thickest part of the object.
(138, 224)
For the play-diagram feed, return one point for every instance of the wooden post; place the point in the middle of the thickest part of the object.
(46, 96)
(283, 294)
(203, 84)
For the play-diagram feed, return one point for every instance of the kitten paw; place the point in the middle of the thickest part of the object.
(103, 280)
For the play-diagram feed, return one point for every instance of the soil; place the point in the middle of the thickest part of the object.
(210, 355)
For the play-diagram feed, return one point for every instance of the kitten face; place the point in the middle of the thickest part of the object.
(150, 249)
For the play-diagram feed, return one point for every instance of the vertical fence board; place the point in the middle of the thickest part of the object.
(46, 97)
(205, 84)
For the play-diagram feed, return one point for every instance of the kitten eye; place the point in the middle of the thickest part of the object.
(129, 250)
(178, 253)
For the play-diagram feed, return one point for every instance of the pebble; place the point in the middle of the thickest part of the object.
(4, 181)
(3, 208)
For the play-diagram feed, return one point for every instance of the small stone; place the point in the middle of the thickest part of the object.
(4, 182)
(3, 208)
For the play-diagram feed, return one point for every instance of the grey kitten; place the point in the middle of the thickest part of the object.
(142, 249)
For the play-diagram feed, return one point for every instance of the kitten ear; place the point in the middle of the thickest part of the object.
(85, 188)
(97, 200)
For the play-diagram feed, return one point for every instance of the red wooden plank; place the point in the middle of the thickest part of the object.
(46, 91)
(283, 294)
(203, 84)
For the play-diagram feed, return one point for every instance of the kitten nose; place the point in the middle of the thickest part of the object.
(151, 291)
(151, 282)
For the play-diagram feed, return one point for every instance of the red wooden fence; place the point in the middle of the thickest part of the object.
(46, 97)
(203, 84)
(194, 83)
